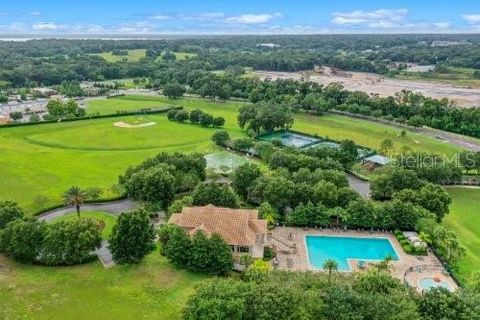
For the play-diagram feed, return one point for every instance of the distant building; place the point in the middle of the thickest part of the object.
(377, 160)
(240, 228)
(44, 92)
(268, 45)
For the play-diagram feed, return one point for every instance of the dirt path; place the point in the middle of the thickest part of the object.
(114, 208)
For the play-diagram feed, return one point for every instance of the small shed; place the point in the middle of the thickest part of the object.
(377, 160)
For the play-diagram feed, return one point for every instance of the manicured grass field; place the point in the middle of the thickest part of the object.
(40, 162)
(133, 56)
(369, 134)
(45, 160)
(338, 127)
(152, 290)
(464, 219)
(107, 218)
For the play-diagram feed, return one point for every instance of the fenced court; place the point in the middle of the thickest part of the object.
(299, 140)
(290, 139)
(224, 162)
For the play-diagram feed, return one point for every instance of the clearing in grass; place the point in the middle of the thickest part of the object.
(133, 56)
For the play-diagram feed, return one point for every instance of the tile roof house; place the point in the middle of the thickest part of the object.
(240, 228)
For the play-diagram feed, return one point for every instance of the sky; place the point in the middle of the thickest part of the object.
(157, 17)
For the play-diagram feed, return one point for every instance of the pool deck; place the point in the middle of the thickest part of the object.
(292, 254)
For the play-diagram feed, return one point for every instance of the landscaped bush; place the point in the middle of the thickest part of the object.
(407, 246)
(221, 138)
(70, 242)
(268, 254)
(9, 211)
(215, 194)
(242, 144)
(200, 253)
(244, 178)
(61, 243)
(158, 179)
(132, 238)
(22, 240)
(155, 184)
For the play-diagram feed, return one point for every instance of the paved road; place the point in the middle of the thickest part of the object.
(114, 208)
(362, 187)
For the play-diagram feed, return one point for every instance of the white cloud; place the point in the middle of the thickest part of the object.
(471, 18)
(380, 17)
(205, 16)
(134, 28)
(35, 13)
(252, 18)
(160, 17)
(382, 24)
(442, 25)
(45, 26)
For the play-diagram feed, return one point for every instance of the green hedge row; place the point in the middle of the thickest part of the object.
(91, 117)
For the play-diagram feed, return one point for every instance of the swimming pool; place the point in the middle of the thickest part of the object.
(340, 249)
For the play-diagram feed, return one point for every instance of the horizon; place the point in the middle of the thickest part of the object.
(214, 17)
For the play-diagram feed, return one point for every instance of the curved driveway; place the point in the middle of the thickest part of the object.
(114, 208)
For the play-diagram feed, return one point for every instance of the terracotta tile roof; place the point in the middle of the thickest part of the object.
(235, 226)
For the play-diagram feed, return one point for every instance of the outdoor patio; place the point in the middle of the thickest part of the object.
(292, 254)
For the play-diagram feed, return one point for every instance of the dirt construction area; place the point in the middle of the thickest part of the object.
(377, 84)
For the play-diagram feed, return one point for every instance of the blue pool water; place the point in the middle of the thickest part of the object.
(322, 248)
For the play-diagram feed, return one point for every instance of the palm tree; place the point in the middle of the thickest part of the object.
(75, 196)
(330, 266)
(385, 264)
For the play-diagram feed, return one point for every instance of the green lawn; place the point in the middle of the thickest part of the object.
(133, 56)
(369, 134)
(366, 133)
(40, 162)
(455, 76)
(464, 219)
(179, 56)
(152, 290)
(107, 218)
